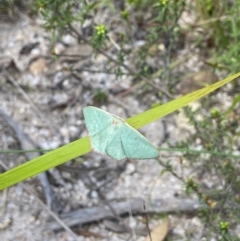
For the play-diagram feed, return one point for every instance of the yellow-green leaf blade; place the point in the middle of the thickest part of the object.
(153, 114)
(82, 146)
(45, 162)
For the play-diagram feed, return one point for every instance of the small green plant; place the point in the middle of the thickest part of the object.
(191, 186)
(99, 37)
(224, 229)
(216, 134)
(100, 96)
(220, 22)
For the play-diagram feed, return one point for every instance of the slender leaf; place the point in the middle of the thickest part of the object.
(82, 146)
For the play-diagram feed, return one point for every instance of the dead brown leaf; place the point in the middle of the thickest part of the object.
(160, 232)
(37, 66)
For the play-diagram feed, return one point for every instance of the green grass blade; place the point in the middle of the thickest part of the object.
(213, 153)
(45, 162)
(153, 114)
(82, 146)
(11, 151)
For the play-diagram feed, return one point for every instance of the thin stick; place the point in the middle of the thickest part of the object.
(147, 223)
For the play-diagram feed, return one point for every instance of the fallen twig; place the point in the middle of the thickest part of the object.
(93, 214)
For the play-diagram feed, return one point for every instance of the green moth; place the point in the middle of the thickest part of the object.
(111, 135)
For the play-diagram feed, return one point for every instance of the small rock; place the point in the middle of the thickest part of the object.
(130, 169)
